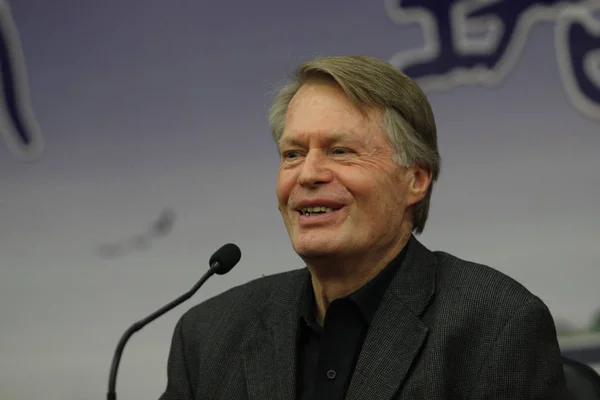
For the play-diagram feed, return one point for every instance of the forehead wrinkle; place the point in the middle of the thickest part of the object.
(351, 117)
(324, 136)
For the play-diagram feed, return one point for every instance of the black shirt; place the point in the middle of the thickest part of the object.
(327, 355)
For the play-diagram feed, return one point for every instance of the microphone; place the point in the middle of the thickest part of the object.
(221, 262)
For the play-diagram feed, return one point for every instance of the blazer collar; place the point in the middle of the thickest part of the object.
(393, 341)
(269, 353)
(415, 282)
(396, 336)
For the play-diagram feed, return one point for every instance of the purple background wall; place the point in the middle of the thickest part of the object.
(153, 104)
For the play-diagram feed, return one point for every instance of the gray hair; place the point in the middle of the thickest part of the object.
(368, 82)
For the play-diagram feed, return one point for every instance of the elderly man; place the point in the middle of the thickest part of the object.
(374, 315)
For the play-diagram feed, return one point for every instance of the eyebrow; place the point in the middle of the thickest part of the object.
(329, 138)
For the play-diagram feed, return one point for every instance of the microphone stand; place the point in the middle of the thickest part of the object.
(112, 380)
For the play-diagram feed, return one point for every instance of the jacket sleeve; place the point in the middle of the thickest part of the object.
(179, 384)
(525, 361)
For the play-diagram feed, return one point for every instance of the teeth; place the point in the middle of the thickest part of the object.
(314, 210)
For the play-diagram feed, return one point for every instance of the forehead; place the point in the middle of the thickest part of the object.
(321, 110)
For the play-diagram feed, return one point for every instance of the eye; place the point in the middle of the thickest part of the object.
(290, 155)
(340, 151)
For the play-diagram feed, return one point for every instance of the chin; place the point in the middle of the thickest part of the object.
(315, 248)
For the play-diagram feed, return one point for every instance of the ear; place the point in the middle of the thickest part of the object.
(419, 180)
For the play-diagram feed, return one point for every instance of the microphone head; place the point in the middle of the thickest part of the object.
(224, 259)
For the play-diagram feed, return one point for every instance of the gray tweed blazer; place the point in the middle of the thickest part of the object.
(446, 329)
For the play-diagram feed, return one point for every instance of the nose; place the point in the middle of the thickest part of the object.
(314, 170)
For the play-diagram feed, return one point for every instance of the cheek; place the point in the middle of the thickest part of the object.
(285, 185)
(381, 198)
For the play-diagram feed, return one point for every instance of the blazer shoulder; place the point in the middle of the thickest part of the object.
(242, 301)
(483, 285)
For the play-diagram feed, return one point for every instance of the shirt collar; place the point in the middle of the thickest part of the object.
(367, 298)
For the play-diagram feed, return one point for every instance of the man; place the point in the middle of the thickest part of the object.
(374, 315)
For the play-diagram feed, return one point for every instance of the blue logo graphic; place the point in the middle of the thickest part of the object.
(17, 121)
(478, 42)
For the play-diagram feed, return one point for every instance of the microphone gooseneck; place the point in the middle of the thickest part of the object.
(221, 262)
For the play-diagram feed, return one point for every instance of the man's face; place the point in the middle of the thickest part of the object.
(339, 190)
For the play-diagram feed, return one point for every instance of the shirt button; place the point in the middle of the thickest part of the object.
(331, 374)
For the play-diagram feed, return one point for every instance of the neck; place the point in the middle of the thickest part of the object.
(336, 277)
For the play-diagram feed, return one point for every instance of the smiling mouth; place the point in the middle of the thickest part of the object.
(310, 211)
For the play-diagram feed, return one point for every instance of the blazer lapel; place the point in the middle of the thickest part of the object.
(270, 350)
(397, 334)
